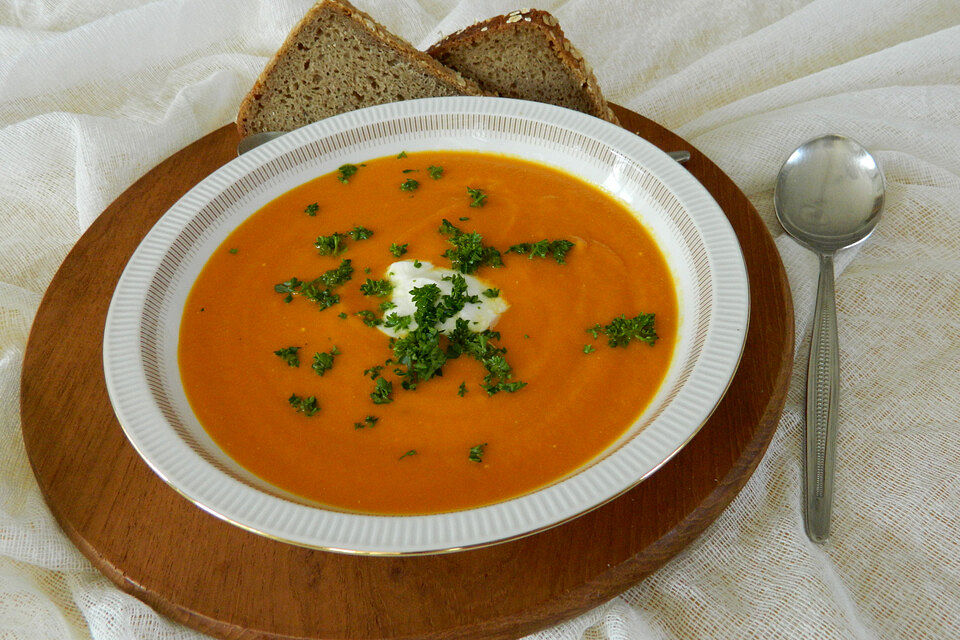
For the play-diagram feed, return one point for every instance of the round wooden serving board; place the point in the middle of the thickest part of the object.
(230, 583)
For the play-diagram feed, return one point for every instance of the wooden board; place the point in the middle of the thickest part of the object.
(225, 581)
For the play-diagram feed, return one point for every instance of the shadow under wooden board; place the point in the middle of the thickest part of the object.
(230, 583)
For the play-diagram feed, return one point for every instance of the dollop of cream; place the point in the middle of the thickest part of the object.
(405, 276)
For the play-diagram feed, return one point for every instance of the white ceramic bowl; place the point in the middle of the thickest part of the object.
(140, 339)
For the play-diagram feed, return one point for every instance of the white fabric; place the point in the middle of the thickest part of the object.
(94, 93)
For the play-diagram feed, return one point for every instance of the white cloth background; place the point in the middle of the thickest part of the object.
(93, 93)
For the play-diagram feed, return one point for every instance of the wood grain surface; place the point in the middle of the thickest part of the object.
(227, 582)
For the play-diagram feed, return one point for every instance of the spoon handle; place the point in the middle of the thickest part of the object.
(823, 396)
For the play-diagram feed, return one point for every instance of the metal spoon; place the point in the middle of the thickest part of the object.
(829, 196)
(257, 139)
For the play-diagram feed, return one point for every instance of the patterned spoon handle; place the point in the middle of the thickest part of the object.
(823, 397)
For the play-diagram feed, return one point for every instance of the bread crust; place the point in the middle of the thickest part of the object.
(548, 25)
(249, 104)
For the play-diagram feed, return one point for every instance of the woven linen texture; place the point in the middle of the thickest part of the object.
(95, 93)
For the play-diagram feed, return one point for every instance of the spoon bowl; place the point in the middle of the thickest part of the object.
(829, 193)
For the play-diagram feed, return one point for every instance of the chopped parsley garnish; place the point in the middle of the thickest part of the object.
(360, 233)
(234, 251)
(332, 245)
(346, 172)
(417, 264)
(476, 453)
(312, 209)
(289, 287)
(342, 315)
(374, 371)
(307, 406)
(491, 293)
(595, 330)
(325, 298)
(468, 252)
(401, 155)
(477, 197)
(379, 288)
(462, 389)
(336, 277)
(382, 392)
(319, 290)
(409, 185)
(410, 171)
(289, 355)
(463, 218)
(421, 355)
(412, 452)
(369, 421)
(588, 348)
(323, 362)
(557, 249)
(400, 323)
(435, 172)
(367, 270)
(387, 305)
(369, 318)
(622, 330)
(398, 249)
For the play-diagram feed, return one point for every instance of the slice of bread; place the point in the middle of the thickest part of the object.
(338, 59)
(524, 55)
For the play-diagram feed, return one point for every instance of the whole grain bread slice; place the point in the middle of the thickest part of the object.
(336, 59)
(525, 55)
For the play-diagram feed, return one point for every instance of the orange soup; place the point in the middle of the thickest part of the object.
(286, 359)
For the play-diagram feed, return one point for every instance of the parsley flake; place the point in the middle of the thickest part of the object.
(477, 197)
(435, 172)
(346, 172)
(468, 252)
(491, 293)
(589, 348)
(382, 392)
(336, 277)
(409, 185)
(332, 245)
(462, 389)
(412, 452)
(234, 251)
(369, 421)
(312, 209)
(307, 406)
(374, 371)
(476, 453)
(369, 318)
(398, 249)
(400, 323)
(378, 288)
(360, 233)
(557, 249)
(622, 330)
(323, 362)
(401, 155)
(324, 298)
(289, 355)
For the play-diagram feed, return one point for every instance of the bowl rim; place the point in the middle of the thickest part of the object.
(682, 184)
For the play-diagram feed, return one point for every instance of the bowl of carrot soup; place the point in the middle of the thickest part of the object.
(427, 326)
